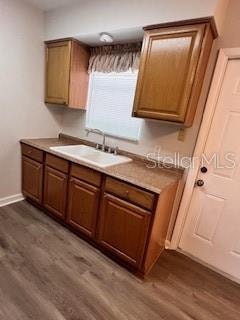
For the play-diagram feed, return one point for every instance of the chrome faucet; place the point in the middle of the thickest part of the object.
(97, 131)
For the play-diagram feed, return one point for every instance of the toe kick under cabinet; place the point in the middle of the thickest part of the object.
(124, 221)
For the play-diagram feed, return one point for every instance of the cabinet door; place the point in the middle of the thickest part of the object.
(58, 72)
(32, 179)
(123, 229)
(167, 72)
(55, 192)
(83, 203)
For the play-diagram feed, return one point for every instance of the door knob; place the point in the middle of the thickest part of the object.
(199, 183)
(204, 169)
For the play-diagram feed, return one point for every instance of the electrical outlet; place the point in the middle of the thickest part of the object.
(181, 134)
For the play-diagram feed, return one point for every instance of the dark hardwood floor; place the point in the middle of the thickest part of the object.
(46, 272)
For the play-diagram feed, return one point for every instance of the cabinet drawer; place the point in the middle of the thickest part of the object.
(57, 163)
(32, 153)
(128, 192)
(86, 174)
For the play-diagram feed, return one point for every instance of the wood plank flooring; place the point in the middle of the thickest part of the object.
(48, 273)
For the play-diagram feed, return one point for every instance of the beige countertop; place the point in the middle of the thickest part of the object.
(136, 172)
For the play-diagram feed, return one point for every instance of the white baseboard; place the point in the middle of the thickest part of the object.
(8, 200)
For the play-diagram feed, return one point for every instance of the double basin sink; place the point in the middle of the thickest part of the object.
(91, 155)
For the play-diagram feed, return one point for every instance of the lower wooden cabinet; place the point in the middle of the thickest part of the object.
(32, 179)
(55, 191)
(123, 229)
(83, 201)
(127, 221)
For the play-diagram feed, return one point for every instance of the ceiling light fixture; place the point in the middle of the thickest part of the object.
(105, 37)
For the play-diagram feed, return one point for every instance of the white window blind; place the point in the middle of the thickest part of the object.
(110, 104)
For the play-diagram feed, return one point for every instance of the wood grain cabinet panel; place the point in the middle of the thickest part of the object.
(32, 153)
(123, 229)
(126, 221)
(83, 201)
(55, 192)
(86, 174)
(172, 67)
(58, 72)
(57, 163)
(130, 193)
(66, 73)
(32, 178)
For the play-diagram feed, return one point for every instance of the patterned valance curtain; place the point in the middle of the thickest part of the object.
(115, 58)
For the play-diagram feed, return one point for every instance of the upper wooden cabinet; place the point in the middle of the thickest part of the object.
(173, 63)
(66, 73)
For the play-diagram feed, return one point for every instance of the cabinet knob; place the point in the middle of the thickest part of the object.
(127, 193)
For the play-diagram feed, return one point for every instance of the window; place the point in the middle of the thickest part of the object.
(110, 104)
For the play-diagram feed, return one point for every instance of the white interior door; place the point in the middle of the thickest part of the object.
(212, 229)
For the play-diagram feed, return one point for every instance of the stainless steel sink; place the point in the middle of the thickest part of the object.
(91, 155)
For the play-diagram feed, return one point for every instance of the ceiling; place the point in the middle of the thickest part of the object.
(51, 4)
(119, 36)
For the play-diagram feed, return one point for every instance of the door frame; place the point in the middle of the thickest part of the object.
(224, 56)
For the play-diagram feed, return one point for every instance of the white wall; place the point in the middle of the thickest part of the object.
(90, 17)
(22, 112)
(230, 30)
(96, 16)
(154, 135)
(220, 14)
